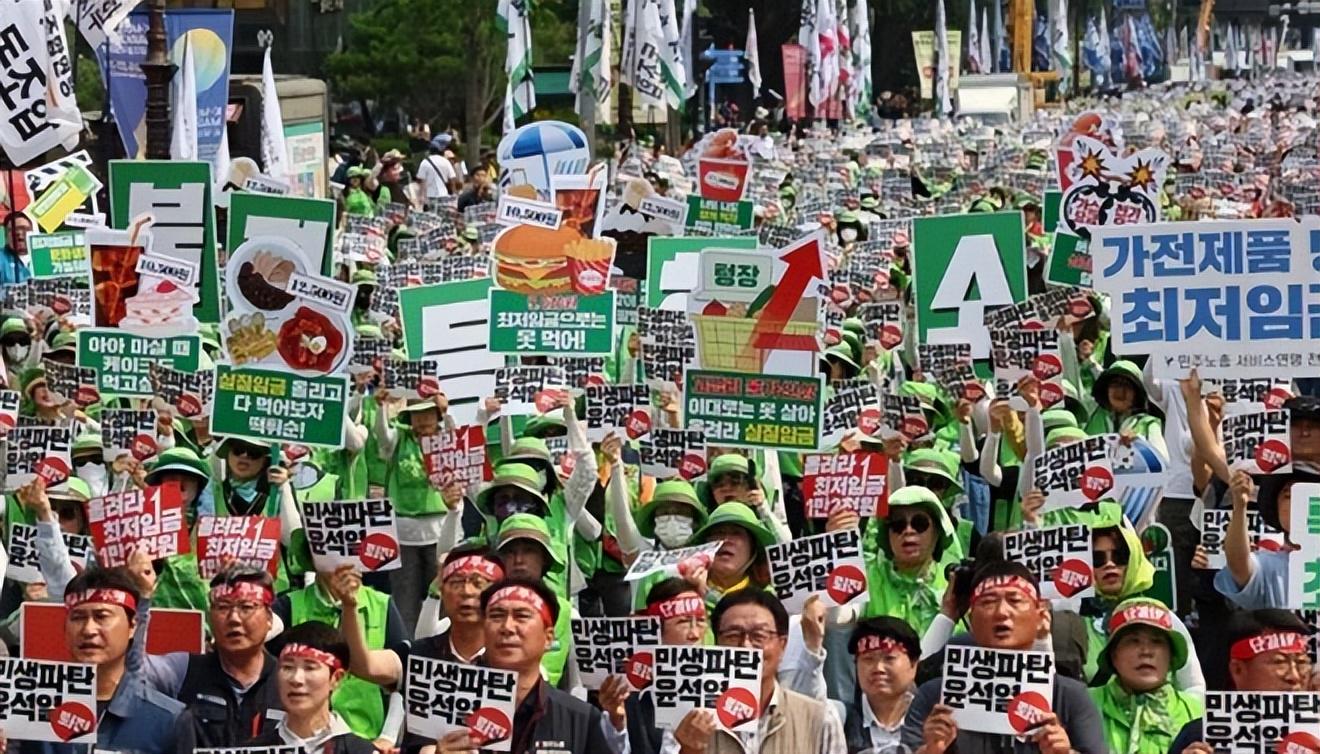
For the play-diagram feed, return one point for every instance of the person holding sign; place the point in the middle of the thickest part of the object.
(1122, 406)
(741, 561)
(683, 622)
(667, 522)
(732, 477)
(311, 669)
(527, 551)
(1140, 707)
(1006, 614)
(54, 513)
(904, 578)
(179, 585)
(1257, 579)
(519, 617)
(886, 651)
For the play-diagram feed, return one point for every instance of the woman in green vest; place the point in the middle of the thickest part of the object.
(1123, 407)
(525, 546)
(178, 583)
(904, 578)
(741, 561)
(1141, 709)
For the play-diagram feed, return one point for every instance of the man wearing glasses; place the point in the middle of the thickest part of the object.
(789, 722)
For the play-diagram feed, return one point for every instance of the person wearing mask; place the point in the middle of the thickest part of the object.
(436, 174)
(789, 721)
(1267, 653)
(886, 651)
(312, 665)
(16, 341)
(1141, 708)
(179, 585)
(1006, 612)
(13, 266)
(518, 618)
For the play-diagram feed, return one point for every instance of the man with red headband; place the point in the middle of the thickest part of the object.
(683, 622)
(1006, 613)
(1267, 652)
(131, 716)
(519, 617)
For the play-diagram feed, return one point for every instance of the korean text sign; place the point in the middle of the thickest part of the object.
(123, 522)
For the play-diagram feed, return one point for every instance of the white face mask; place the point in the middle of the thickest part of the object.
(94, 474)
(16, 353)
(848, 235)
(673, 531)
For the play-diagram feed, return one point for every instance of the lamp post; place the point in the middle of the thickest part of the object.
(158, 70)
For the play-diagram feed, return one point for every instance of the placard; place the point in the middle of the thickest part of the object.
(667, 453)
(189, 393)
(441, 697)
(828, 566)
(1244, 394)
(48, 701)
(854, 407)
(1257, 442)
(603, 647)
(724, 680)
(77, 384)
(527, 390)
(985, 687)
(249, 540)
(415, 380)
(58, 255)
(33, 451)
(151, 520)
(1214, 530)
(904, 416)
(360, 533)
(624, 410)
(884, 323)
(126, 432)
(672, 562)
(264, 405)
(1074, 474)
(123, 361)
(1258, 720)
(457, 455)
(1304, 531)
(24, 559)
(845, 481)
(754, 411)
(1059, 556)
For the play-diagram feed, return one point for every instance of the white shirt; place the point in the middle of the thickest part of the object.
(435, 173)
(313, 745)
(884, 739)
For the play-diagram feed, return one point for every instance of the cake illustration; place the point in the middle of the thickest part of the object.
(159, 307)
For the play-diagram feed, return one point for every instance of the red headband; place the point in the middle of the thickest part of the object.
(473, 564)
(107, 596)
(679, 606)
(1149, 614)
(886, 644)
(1006, 582)
(243, 590)
(526, 596)
(313, 654)
(1287, 642)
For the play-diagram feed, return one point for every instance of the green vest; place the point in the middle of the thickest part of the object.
(912, 599)
(359, 702)
(377, 468)
(406, 482)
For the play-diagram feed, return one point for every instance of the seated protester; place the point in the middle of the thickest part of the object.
(311, 670)
(886, 651)
(1122, 406)
(789, 721)
(519, 617)
(1006, 613)
(98, 629)
(905, 579)
(732, 477)
(525, 547)
(360, 703)
(1267, 653)
(1141, 709)
(683, 622)
(740, 562)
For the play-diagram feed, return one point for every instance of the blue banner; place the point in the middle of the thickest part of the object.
(210, 33)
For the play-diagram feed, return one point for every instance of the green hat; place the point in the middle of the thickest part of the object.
(222, 450)
(940, 463)
(535, 453)
(369, 330)
(1143, 611)
(470, 233)
(847, 217)
(1057, 418)
(855, 326)
(1064, 435)
(413, 406)
(843, 353)
(87, 441)
(543, 425)
(1121, 369)
(787, 191)
(64, 341)
(364, 276)
(31, 377)
(73, 489)
(672, 491)
(357, 171)
(13, 325)
(534, 528)
(518, 475)
(914, 496)
(869, 202)
(182, 460)
(854, 343)
(740, 515)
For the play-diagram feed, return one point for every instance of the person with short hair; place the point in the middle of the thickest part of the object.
(886, 651)
(683, 622)
(436, 173)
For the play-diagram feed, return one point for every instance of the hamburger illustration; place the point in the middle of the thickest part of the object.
(538, 261)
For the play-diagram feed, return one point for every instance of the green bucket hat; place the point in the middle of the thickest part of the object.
(869, 202)
(739, 515)
(11, 326)
(86, 443)
(73, 489)
(914, 496)
(1142, 611)
(518, 475)
(545, 425)
(363, 276)
(182, 460)
(530, 527)
(843, 353)
(1057, 418)
(672, 491)
(848, 217)
(855, 326)
(1121, 369)
(65, 341)
(30, 378)
(1064, 435)
(470, 233)
(940, 463)
(535, 453)
(369, 330)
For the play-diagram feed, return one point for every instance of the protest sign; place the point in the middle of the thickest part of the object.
(724, 680)
(828, 566)
(956, 255)
(580, 372)
(854, 407)
(249, 540)
(58, 255)
(1059, 557)
(24, 566)
(1304, 531)
(48, 701)
(415, 380)
(123, 361)
(307, 223)
(986, 688)
(849, 481)
(9, 403)
(528, 390)
(663, 364)
(33, 451)
(360, 533)
(448, 322)
(150, 520)
(264, 405)
(1017, 353)
(1074, 474)
(884, 323)
(1259, 721)
(441, 697)
(512, 210)
(603, 647)
(673, 267)
(622, 409)
(1257, 442)
(1246, 394)
(667, 453)
(714, 217)
(742, 410)
(1221, 297)
(627, 298)
(1214, 530)
(58, 296)
(672, 562)
(77, 384)
(455, 455)
(904, 416)
(189, 393)
(41, 111)
(126, 432)
(642, 214)
(370, 352)
(41, 632)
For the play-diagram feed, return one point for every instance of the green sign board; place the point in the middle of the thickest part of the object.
(178, 197)
(551, 325)
(274, 406)
(308, 223)
(123, 361)
(964, 265)
(1070, 261)
(430, 313)
(754, 410)
(718, 217)
(58, 255)
(1049, 217)
(665, 252)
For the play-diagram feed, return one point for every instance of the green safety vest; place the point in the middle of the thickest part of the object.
(359, 702)
(299, 557)
(406, 482)
(377, 468)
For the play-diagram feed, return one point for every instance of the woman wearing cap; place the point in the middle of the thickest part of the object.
(1141, 709)
(733, 477)
(740, 562)
(356, 200)
(1122, 406)
(667, 522)
(903, 578)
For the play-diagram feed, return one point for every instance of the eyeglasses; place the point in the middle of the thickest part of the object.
(1282, 663)
(245, 609)
(919, 522)
(737, 637)
(1102, 558)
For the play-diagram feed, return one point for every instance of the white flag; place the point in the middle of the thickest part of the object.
(1107, 57)
(512, 18)
(38, 111)
(274, 155)
(98, 20)
(753, 55)
(974, 62)
(829, 48)
(591, 65)
(809, 38)
(183, 141)
(1061, 47)
(672, 69)
(685, 43)
(648, 47)
(943, 97)
(987, 62)
(861, 46)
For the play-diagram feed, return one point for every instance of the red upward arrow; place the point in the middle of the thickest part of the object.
(804, 265)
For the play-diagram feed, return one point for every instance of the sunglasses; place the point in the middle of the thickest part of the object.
(255, 452)
(932, 482)
(919, 522)
(1102, 558)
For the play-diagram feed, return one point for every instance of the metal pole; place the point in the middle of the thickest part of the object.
(159, 70)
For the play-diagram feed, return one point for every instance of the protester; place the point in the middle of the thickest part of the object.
(886, 651)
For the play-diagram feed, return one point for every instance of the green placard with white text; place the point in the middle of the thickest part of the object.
(273, 406)
(308, 223)
(58, 255)
(665, 252)
(123, 360)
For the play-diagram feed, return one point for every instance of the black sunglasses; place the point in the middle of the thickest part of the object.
(919, 522)
(932, 482)
(255, 452)
(1102, 558)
